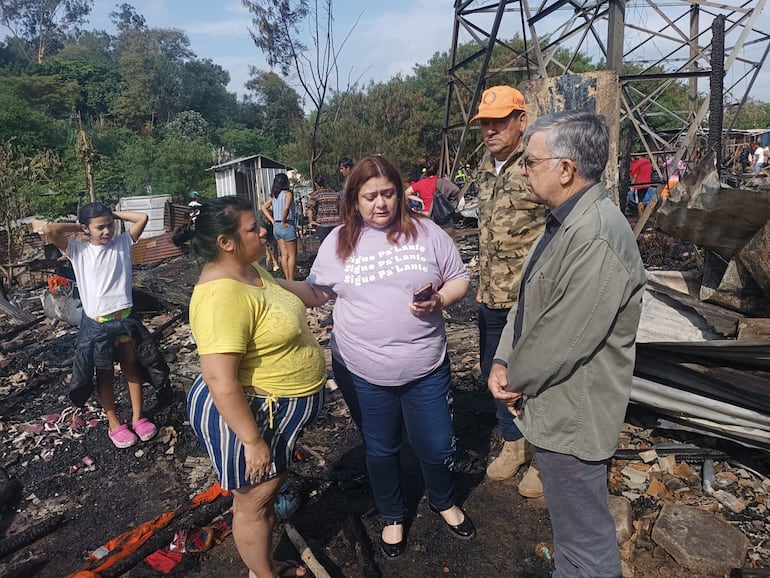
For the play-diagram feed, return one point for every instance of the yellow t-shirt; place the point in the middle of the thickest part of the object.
(268, 326)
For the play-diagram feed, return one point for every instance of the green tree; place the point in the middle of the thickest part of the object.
(188, 125)
(276, 31)
(21, 178)
(150, 65)
(203, 87)
(93, 47)
(97, 85)
(38, 25)
(277, 105)
(127, 18)
(137, 155)
(180, 167)
(241, 141)
(51, 95)
(753, 114)
(27, 124)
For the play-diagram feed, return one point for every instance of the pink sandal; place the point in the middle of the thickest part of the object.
(145, 429)
(123, 437)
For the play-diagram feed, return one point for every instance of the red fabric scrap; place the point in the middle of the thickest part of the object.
(164, 560)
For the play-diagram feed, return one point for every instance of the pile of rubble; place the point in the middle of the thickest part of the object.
(704, 509)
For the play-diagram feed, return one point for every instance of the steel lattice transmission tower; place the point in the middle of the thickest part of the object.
(657, 47)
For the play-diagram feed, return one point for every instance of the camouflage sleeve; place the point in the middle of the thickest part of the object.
(513, 224)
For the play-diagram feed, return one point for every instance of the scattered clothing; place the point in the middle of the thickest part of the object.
(96, 348)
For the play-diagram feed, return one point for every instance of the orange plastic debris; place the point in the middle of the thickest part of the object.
(124, 545)
(129, 542)
(57, 281)
(208, 496)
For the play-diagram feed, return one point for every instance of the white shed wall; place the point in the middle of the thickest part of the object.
(225, 181)
(153, 205)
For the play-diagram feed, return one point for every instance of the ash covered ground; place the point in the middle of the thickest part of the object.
(66, 490)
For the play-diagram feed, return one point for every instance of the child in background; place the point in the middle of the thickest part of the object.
(103, 273)
(270, 248)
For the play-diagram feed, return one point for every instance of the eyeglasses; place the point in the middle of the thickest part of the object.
(528, 162)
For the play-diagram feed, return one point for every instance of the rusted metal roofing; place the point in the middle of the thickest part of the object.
(175, 216)
(154, 249)
(32, 243)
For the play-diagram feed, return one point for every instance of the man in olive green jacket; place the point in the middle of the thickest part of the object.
(565, 361)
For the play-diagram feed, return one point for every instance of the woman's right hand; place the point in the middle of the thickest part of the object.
(258, 461)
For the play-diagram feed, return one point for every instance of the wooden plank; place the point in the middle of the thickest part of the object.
(754, 329)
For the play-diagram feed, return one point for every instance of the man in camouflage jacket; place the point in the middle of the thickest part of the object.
(509, 223)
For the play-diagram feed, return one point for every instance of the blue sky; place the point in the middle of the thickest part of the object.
(388, 38)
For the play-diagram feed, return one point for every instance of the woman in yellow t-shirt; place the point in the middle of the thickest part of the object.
(262, 372)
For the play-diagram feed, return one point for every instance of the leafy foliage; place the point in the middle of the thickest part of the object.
(276, 31)
(21, 178)
(38, 26)
(276, 26)
(753, 114)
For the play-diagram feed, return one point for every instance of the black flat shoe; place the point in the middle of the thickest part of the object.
(465, 530)
(393, 550)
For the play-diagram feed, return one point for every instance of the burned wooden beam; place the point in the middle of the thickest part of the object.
(165, 291)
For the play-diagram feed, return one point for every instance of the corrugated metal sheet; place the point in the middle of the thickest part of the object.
(262, 160)
(154, 249)
(225, 180)
(153, 205)
(248, 177)
(175, 216)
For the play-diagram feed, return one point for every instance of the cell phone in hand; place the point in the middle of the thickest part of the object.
(423, 294)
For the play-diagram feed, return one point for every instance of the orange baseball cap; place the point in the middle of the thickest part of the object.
(499, 102)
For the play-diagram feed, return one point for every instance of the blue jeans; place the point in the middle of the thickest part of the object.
(424, 407)
(491, 324)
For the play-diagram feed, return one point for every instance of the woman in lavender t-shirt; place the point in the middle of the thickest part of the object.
(389, 350)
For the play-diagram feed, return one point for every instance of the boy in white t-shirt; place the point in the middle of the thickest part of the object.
(102, 267)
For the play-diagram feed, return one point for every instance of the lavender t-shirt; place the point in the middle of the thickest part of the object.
(375, 334)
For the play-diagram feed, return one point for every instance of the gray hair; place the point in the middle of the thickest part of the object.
(579, 135)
